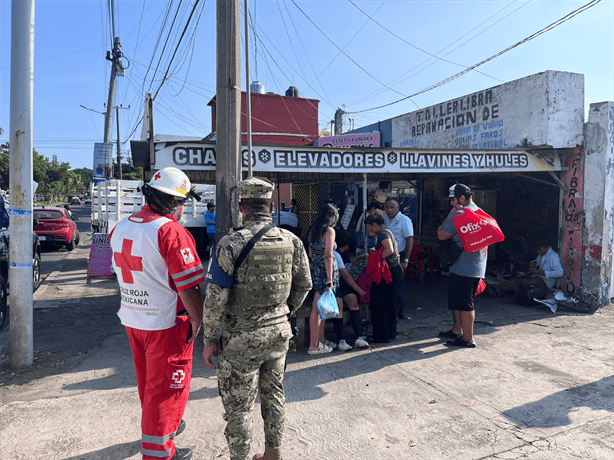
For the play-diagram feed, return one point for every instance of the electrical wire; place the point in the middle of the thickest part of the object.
(166, 42)
(307, 55)
(176, 49)
(348, 56)
(409, 73)
(525, 40)
(414, 46)
(162, 27)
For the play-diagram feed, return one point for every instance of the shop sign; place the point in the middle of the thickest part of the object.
(351, 140)
(274, 158)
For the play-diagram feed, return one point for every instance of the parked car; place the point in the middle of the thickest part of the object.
(56, 227)
(87, 200)
(4, 260)
(75, 200)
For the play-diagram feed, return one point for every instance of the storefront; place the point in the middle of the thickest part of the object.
(522, 146)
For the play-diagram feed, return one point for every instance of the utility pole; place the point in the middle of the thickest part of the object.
(115, 57)
(339, 122)
(248, 92)
(119, 154)
(20, 184)
(228, 110)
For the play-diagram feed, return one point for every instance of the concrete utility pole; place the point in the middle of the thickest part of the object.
(115, 57)
(20, 187)
(119, 154)
(248, 91)
(228, 110)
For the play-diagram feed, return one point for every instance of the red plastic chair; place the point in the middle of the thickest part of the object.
(419, 256)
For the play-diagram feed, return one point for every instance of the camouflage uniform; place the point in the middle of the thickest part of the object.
(254, 307)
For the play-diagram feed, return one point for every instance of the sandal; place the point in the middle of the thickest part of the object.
(459, 342)
(449, 335)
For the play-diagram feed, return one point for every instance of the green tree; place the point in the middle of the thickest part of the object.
(86, 177)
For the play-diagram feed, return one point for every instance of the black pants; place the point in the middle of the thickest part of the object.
(383, 306)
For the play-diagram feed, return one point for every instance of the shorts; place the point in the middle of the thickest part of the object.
(344, 289)
(461, 291)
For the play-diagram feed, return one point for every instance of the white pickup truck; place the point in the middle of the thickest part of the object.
(114, 200)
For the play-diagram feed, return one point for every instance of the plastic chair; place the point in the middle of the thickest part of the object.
(419, 256)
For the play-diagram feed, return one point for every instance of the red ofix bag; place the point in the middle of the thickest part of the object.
(477, 229)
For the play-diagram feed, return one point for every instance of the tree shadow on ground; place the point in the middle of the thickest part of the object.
(553, 410)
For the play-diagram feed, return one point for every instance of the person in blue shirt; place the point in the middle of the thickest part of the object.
(465, 273)
(210, 222)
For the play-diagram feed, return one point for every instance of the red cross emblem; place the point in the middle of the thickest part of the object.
(127, 262)
(187, 256)
(157, 176)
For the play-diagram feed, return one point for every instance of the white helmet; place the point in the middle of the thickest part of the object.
(171, 181)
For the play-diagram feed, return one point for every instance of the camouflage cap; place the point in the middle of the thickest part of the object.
(253, 187)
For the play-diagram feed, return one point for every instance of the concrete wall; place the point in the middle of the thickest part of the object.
(573, 222)
(598, 237)
(544, 109)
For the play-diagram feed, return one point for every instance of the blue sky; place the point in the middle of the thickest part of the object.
(72, 37)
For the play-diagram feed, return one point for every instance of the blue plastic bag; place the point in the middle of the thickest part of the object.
(327, 305)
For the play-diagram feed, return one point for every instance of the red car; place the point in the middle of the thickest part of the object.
(75, 200)
(56, 227)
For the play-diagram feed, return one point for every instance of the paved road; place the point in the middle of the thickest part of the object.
(538, 387)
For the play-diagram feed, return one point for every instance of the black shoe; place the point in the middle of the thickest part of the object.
(401, 315)
(181, 428)
(459, 342)
(375, 340)
(182, 454)
(449, 335)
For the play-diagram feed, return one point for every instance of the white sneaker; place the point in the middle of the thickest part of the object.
(321, 350)
(330, 344)
(361, 342)
(343, 346)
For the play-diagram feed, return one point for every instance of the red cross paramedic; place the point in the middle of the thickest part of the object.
(160, 278)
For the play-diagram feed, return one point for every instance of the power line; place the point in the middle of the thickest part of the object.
(305, 51)
(454, 77)
(176, 49)
(170, 31)
(414, 46)
(408, 74)
(346, 55)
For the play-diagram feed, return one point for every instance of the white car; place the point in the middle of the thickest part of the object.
(87, 200)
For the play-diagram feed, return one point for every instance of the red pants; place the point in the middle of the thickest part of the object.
(163, 365)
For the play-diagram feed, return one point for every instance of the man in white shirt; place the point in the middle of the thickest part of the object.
(403, 230)
(545, 269)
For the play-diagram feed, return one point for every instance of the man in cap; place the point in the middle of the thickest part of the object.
(161, 280)
(403, 230)
(258, 277)
(465, 273)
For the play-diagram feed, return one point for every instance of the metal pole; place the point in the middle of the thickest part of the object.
(119, 154)
(228, 109)
(278, 204)
(20, 185)
(364, 211)
(248, 93)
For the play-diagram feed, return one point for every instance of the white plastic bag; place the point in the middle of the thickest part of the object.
(327, 305)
